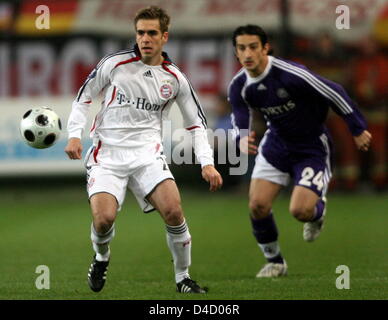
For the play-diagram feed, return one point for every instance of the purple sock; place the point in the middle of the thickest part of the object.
(265, 231)
(319, 208)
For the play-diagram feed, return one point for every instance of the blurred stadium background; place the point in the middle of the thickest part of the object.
(42, 197)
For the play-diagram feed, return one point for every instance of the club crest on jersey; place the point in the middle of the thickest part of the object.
(282, 93)
(166, 91)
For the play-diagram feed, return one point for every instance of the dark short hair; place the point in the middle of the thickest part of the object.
(151, 13)
(250, 29)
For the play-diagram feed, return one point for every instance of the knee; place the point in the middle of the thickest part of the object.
(103, 221)
(302, 213)
(173, 215)
(259, 209)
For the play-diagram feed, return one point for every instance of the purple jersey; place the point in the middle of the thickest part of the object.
(293, 100)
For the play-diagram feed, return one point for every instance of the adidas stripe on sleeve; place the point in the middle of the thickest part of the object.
(332, 92)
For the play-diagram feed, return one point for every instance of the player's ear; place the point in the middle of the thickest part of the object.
(165, 36)
(235, 54)
(266, 48)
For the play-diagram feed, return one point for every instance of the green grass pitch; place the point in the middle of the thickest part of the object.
(52, 227)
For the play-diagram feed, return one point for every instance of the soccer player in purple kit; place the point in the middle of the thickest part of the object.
(294, 103)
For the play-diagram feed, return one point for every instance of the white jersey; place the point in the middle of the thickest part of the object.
(137, 98)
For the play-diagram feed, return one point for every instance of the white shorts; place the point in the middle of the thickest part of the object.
(264, 170)
(115, 169)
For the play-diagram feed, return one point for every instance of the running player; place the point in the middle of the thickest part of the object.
(139, 87)
(294, 102)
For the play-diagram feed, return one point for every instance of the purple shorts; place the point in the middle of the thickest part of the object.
(308, 163)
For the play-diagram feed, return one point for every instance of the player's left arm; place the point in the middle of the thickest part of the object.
(344, 106)
(195, 122)
(363, 140)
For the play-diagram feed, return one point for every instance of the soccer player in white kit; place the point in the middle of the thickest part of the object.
(139, 87)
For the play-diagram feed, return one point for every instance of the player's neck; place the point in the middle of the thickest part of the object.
(260, 68)
(153, 61)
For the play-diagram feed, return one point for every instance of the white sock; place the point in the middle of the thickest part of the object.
(102, 251)
(179, 242)
(101, 242)
(270, 250)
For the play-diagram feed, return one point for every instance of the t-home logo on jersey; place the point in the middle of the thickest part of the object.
(138, 103)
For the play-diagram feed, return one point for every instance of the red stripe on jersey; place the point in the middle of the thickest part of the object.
(95, 119)
(94, 124)
(157, 147)
(95, 153)
(127, 61)
(88, 102)
(193, 127)
(113, 96)
(168, 70)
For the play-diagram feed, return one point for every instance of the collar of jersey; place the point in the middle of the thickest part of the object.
(166, 58)
(263, 75)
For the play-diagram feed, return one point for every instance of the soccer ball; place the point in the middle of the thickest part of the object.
(40, 127)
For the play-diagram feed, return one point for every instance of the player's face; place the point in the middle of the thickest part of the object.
(251, 54)
(150, 40)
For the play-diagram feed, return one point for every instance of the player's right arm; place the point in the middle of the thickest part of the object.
(78, 118)
(240, 120)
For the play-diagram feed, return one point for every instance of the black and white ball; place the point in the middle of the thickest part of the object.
(40, 127)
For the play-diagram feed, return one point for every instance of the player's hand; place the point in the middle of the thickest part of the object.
(248, 144)
(363, 140)
(74, 148)
(211, 175)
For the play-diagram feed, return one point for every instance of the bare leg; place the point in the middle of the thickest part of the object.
(302, 204)
(262, 193)
(104, 209)
(306, 206)
(166, 199)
